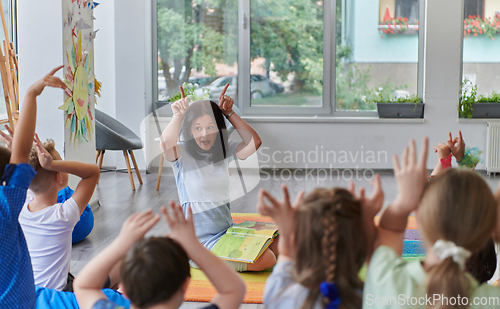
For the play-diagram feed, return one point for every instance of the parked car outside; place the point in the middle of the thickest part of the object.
(202, 81)
(260, 87)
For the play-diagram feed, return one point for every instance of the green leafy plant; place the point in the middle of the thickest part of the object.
(191, 93)
(385, 94)
(493, 98)
(468, 92)
(408, 99)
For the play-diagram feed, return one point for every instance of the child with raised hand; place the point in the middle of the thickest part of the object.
(155, 272)
(17, 288)
(85, 224)
(324, 240)
(456, 217)
(47, 224)
(482, 264)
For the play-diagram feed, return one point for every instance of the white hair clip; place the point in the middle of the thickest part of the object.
(445, 249)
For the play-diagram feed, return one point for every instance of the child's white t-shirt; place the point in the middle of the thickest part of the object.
(48, 233)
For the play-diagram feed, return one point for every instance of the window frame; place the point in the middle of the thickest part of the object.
(328, 107)
(244, 99)
(420, 67)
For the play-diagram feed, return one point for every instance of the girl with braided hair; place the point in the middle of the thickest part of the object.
(324, 240)
(457, 215)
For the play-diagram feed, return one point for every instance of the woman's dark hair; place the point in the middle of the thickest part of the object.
(154, 270)
(483, 264)
(196, 110)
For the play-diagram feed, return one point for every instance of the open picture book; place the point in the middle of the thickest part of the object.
(246, 241)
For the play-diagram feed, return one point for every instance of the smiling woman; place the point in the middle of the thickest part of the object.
(196, 144)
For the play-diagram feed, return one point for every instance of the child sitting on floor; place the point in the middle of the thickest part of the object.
(16, 282)
(155, 272)
(457, 214)
(482, 264)
(85, 224)
(48, 225)
(325, 239)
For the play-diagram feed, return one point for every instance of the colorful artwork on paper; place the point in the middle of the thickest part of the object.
(80, 81)
(78, 74)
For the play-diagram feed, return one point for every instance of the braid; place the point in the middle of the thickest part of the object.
(329, 242)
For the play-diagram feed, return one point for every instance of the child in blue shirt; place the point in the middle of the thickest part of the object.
(155, 272)
(17, 283)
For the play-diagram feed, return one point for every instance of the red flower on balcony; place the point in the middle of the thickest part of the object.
(487, 26)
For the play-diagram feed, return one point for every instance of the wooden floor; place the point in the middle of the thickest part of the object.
(117, 201)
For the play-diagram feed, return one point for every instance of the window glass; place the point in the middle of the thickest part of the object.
(481, 56)
(286, 52)
(376, 52)
(197, 43)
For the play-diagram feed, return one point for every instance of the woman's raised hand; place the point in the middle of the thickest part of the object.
(180, 107)
(225, 102)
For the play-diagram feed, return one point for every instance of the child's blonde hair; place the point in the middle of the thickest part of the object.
(40, 182)
(330, 244)
(457, 206)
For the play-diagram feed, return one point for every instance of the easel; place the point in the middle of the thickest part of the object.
(9, 73)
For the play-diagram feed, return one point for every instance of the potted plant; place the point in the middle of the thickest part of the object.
(471, 106)
(403, 107)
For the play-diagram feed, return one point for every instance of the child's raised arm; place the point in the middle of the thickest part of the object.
(443, 151)
(411, 178)
(89, 281)
(283, 214)
(25, 129)
(229, 285)
(371, 205)
(88, 172)
(457, 145)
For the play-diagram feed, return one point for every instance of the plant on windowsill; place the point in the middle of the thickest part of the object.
(403, 107)
(475, 25)
(472, 107)
(398, 26)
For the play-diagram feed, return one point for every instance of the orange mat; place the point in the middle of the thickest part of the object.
(201, 290)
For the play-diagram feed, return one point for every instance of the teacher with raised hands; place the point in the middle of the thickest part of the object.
(195, 142)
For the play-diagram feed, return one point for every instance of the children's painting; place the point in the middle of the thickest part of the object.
(78, 37)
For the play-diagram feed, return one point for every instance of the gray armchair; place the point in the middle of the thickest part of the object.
(110, 134)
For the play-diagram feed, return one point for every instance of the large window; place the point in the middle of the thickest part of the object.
(197, 42)
(377, 54)
(291, 57)
(481, 56)
(286, 50)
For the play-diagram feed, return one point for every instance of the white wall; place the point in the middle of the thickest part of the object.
(123, 61)
(130, 62)
(40, 50)
(120, 56)
(104, 63)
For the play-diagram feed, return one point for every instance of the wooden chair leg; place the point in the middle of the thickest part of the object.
(129, 170)
(135, 166)
(97, 154)
(159, 173)
(101, 157)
